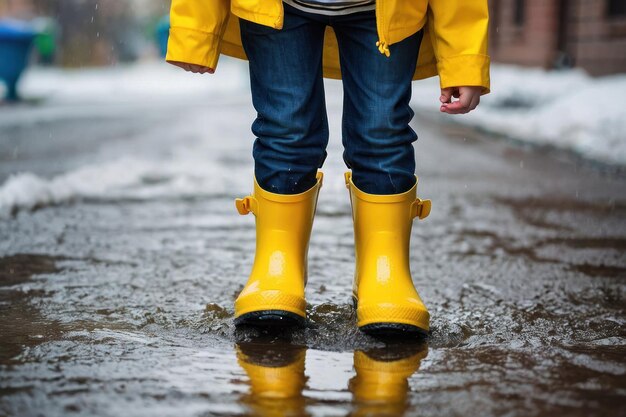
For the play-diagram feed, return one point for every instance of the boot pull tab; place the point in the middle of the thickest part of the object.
(246, 205)
(347, 176)
(320, 178)
(420, 208)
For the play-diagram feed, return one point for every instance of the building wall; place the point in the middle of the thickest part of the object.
(21, 9)
(596, 40)
(532, 41)
(556, 33)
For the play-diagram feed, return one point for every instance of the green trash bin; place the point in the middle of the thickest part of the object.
(46, 40)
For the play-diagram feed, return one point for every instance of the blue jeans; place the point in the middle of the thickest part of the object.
(291, 127)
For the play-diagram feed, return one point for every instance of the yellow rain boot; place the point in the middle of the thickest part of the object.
(380, 386)
(386, 300)
(274, 293)
(276, 376)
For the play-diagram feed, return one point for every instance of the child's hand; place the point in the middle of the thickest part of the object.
(198, 69)
(468, 99)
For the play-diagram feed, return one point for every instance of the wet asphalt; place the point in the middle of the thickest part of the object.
(121, 303)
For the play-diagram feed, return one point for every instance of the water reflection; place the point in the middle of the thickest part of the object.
(380, 386)
(276, 372)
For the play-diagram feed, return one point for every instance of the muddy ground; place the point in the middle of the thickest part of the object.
(119, 302)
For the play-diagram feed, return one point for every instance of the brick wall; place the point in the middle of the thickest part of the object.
(558, 32)
(596, 40)
(534, 41)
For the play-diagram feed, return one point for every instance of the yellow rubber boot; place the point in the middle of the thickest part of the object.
(276, 379)
(380, 386)
(274, 293)
(384, 294)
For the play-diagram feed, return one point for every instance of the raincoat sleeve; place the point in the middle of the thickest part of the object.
(196, 30)
(459, 31)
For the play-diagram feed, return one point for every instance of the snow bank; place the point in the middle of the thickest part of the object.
(26, 190)
(186, 174)
(127, 83)
(564, 109)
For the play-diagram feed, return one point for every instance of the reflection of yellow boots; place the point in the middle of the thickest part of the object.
(387, 301)
(380, 386)
(274, 293)
(277, 378)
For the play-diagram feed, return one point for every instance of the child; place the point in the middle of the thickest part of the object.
(377, 47)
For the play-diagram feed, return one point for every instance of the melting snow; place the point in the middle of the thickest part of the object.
(565, 109)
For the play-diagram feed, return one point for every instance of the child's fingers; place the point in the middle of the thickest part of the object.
(475, 102)
(461, 106)
(183, 65)
(446, 95)
(203, 70)
(197, 69)
(469, 98)
(453, 108)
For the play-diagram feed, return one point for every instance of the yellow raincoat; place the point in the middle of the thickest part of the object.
(454, 43)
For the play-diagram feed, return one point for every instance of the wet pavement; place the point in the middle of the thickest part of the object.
(122, 254)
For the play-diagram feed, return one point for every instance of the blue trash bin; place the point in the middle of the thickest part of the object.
(163, 34)
(16, 40)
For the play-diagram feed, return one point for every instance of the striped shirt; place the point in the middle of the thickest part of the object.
(332, 7)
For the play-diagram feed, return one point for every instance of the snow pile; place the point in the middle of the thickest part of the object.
(564, 109)
(127, 83)
(181, 176)
(26, 190)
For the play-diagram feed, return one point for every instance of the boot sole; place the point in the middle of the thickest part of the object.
(270, 318)
(391, 330)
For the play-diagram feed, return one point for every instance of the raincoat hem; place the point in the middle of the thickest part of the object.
(475, 71)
